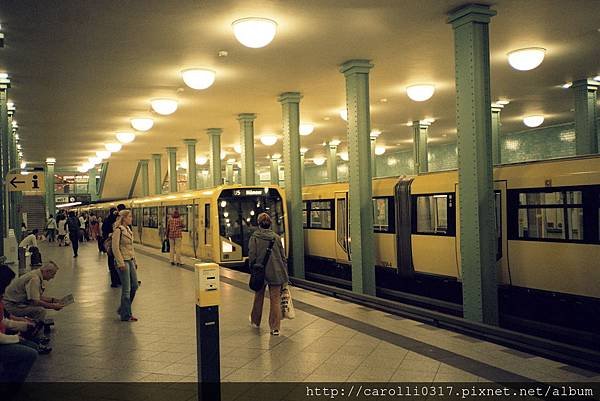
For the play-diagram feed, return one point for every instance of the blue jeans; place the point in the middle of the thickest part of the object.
(17, 360)
(129, 286)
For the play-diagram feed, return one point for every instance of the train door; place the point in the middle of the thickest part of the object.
(162, 225)
(206, 230)
(194, 228)
(342, 228)
(500, 197)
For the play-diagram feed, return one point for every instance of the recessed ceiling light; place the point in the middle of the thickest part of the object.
(567, 85)
(223, 53)
(164, 106)
(344, 114)
(113, 147)
(383, 100)
(306, 129)
(326, 118)
(533, 121)
(103, 154)
(201, 160)
(421, 92)
(268, 139)
(379, 150)
(142, 124)
(319, 161)
(526, 59)
(125, 137)
(254, 32)
(198, 78)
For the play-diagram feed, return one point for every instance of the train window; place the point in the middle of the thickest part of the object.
(320, 214)
(207, 215)
(150, 217)
(383, 215)
(183, 214)
(434, 214)
(304, 214)
(498, 207)
(134, 217)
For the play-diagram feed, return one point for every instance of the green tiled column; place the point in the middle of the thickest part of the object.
(496, 148)
(229, 172)
(145, 177)
(274, 170)
(290, 103)
(158, 179)
(4, 144)
(172, 154)
(420, 129)
(360, 185)
(475, 179)
(586, 137)
(214, 140)
(50, 199)
(191, 156)
(92, 189)
(332, 161)
(247, 144)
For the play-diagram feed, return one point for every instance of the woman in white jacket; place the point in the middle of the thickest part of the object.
(16, 359)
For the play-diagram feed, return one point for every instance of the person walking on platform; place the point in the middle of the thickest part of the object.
(174, 227)
(74, 227)
(122, 247)
(263, 241)
(51, 229)
(107, 229)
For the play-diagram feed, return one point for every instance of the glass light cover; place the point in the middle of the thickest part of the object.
(379, 150)
(125, 137)
(95, 160)
(421, 92)
(268, 139)
(237, 148)
(142, 124)
(254, 32)
(306, 129)
(113, 147)
(344, 114)
(198, 78)
(201, 160)
(103, 154)
(164, 106)
(319, 161)
(526, 59)
(344, 156)
(533, 121)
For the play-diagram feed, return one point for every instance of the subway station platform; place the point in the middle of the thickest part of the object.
(330, 340)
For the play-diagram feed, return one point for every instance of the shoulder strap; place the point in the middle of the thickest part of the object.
(268, 253)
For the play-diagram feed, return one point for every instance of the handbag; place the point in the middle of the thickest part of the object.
(257, 273)
(287, 306)
(166, 246)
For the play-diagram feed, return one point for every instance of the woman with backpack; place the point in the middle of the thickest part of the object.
(122, 249)
(265, 250)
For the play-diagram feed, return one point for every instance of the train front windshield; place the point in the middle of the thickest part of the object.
(238, 213)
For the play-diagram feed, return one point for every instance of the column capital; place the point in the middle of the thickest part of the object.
(589, 84)
(333, 144)
(357, 66)
(497, 108)
(190, 141)
(420, 124)
(171, 149)
(246, 117)
(4, 84)
(289, 97)
(144, 161)
(470, 13)
(156, 156)
(50, 161)
(214, 131)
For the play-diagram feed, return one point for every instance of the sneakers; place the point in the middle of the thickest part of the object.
(252, 324)
(274, 332)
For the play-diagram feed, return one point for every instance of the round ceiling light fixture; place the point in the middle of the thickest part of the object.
(533, 121)
(183, 164)
(125, 137)
(268, 139)
(254, 32)
(201, 160)
(223, 155)
(82, 169)
(319, 161)
(198, 78)
(344, 156)
(526, 59)
(303, 151)
(306, 129)
(164, 106)
(95, 160)
(379, 150)
(113, 147)
(420, 92)
(142, 124)
(103, 154)
(344, 114)
(237, 148)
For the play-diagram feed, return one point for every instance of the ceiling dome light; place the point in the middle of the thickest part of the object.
(198, 78)
(319, 161)
(237, 148)
(103, 154)
(533, 121)
(379, 150)
(163, 106)
(303, 151)
(420, 93)
(201, 160)
(125, 137)
(344, 156)
(306, 129)
(183, 164)
(142, 124)
(23, 165)
(596, 78)
(87, 166)
(254, 32)
(268, 139)
(82, 169)
(95, 160)
(113, 147)
(344, 114)
(526, 59)
(223, 155)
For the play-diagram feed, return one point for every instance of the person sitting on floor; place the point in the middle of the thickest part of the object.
(30, 244)
(24, 296)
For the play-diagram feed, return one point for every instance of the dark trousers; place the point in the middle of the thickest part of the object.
(100, 243)
(74, 237)
(115, 280)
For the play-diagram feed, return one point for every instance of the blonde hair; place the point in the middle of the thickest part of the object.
(122, 215)
(50, 265)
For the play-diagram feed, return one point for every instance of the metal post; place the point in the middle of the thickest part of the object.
(50, 199)
(420, 129)
(586, 137)
(145, 177)
(475, 177)
(172, 168)
(274, 170)
(191, 155)
(214, 139)
(332, 161)
(157, 173)
(290, 103)
(496, 148)
(247, 144)
(356, 73)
